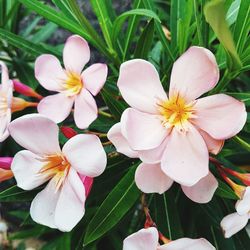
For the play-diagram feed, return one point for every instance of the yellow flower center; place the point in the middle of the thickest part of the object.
(73, 84)
(176, 112)
(56, 167)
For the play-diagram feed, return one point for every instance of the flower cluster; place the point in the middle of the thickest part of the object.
(172, 133)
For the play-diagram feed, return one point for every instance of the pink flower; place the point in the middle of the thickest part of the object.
(6, 95)
(147, 239)
(150, 178)
(178, 130)
(61, 203)
(233, 223)
(75, 86)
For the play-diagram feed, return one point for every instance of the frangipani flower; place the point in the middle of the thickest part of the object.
(150, 178)
(61, 203)
(75, 86)
(5, 172)
(178, 129)
(6, 95)
(147, 239)
(233, 223)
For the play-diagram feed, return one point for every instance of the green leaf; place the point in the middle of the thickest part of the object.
(26, 45)
(160, 32)
(44, 33)
(225, 191)
(216, 17)
(243, 143)
(114, 207)
(100, 9)
(115, 106)
(14, 194)
(167, 215)
(241, 30)
(122, 18)
(145, 41)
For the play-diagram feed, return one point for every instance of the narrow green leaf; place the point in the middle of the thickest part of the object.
(145, 41)
(62, 5)
(241, 30)
(243, 143)
(100, 9)
(114, 207)
(216, 17)
(137, 12)
(44, 33)
(25, 45)
(115, 106)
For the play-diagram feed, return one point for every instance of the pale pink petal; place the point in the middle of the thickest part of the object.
(94, 77)
(143, 131)
(153, 155)
(140, 85)
(85, 111)
(5, 76)
(26, 167)
(243, 205)
(43, 206)
(233, 223)
(36, 133)
(203, 190)
(56, 107)
(221, 116)
(86, 154)
(70, 206)
(188, 244)
(49, 73)
(149, 178)
(145, 239)
(120, 142)
(194, 73)
(214, 146)
(185, 159)
(76, 54)
(4, 122)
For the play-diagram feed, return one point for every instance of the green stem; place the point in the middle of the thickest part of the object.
(243, 143)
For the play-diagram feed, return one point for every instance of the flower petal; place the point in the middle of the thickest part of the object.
(185, 159)
(25, 167)
(5, 174)
(233, 223)
(243, 205)
(70, 206)
(140, 85)
(214, 146)
(4, 122)
(94, 77)
(153, 156)
(49, 72)
(144, 239)
(216, 115)
(203, 190)
(85, 109)
(188, 244)
(149, 178)
(86, 154)
(5, 76)
(143, 131)
(76, 54)
(36, 133)
(56, 107)
(43, 206)
(194, 73)
(120, 142)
